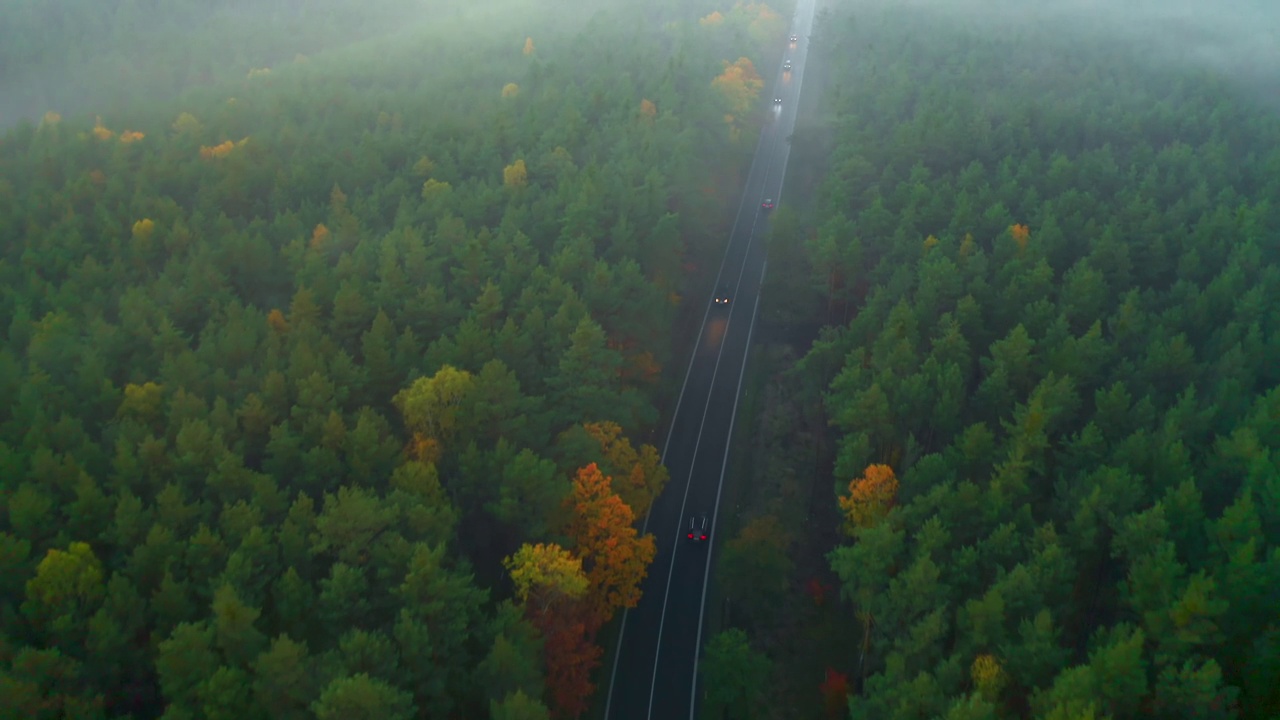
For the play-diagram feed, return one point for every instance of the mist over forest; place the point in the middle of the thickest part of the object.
(115, 55)
(1235, 39)
(339, 342)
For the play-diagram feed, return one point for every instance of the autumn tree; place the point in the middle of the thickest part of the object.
(510, 90)
(638, 475)
(66, 590)
(528, 46)
(614, 557)
(319, 236)
(835, 693)
(988, 676)
(430, 407)
(547, 573)
(870, 497)
(550, 582)
(515, 175)
(1020, 234)
(739, 85)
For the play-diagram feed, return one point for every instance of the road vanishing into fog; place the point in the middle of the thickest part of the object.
(654, 674)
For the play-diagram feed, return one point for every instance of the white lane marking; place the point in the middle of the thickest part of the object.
(675, 414)
(724, 466)
(693, 356)
(706, 574)
(746, 254)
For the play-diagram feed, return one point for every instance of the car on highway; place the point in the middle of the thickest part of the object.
(786, 65)
(794, 37)
(722, 294)
(777, 101)
(698, 528)
(767, 204)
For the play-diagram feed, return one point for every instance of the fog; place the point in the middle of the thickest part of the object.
(91, 56)
(1235, 39)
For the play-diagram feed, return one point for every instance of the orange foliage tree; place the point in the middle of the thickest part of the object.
(528, 46)
(639, 474)
(647, 108)
(101, 132)
(1021, 234)
(221, 150)
(869, 498)
(715, 18)
(131, 136)
(614, 556)
(740, 85)
(318, 236)
(275, 319)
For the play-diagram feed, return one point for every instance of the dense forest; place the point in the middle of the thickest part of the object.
(325, 391)
(1047, 386)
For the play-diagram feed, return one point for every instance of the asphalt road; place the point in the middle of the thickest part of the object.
(655, 671)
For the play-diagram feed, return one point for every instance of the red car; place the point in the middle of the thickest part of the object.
(698, 528)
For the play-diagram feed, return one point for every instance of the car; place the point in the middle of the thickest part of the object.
(794, 37)
(786, 65)
(767, 204)
(698, 528)
(722, 294)
(777, 101)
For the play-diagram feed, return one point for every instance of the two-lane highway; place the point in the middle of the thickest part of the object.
(655, 671)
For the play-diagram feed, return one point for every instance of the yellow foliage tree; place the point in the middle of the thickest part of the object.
(510, 90)
(50, 118)
(143, 228)
(547, 572)
(424, 167)
(515, 174)
(131, 136)
(869, 498)
(143, 402)
(186, 124)
(988, 676)
(101, 132)
(433, 187)
(967, 246)
(930, 243)
(739, 84)
(647, 108)
(715, 18)
(430, 407)
(259, 72)
(68, 585)
(528, 46)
